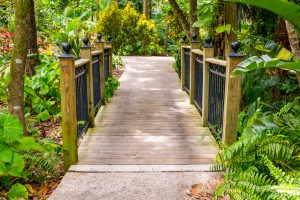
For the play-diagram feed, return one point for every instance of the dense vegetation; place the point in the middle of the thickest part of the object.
(262, 164)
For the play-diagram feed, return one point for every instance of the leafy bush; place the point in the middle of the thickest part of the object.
(117, 61)
(42, 91)
(264, 163)
(23, 158)
(129, 29)
(111, 85)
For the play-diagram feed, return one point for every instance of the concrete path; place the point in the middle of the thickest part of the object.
(148, 143)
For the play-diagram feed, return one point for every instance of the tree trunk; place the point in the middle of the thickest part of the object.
(33, 60)
(193, 17)
(146, 8)
(230, 18)
(294, 43)
(182, 18)
(18, 61)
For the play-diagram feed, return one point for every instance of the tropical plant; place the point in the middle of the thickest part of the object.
(23, 158)
(264, 163)
(42, 91)
(111, 84)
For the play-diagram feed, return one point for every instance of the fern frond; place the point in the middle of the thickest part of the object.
(276, 150)
(279, 175)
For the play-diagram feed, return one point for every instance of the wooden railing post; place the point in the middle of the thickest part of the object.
(182, 74)
(99, 46)
(86, 53)
(109, 44)
(208, 52)
(232, 97)
(68, 107)
(194, 45)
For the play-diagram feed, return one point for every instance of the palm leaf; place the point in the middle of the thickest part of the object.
(264, 62)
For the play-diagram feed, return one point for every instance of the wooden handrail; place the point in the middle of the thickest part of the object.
(216, 61)
(96, 52)
(197, 51)
(232, 85)
(68, 67)
(81, 62)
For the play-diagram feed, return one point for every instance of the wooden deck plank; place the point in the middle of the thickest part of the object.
(149, 121)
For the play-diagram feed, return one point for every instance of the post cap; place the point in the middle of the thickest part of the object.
(66, 48)
(208, 43)
(99, 37)
(109, 38)
(184, 38)
(235, 47)
(194, 37)
(85, 41)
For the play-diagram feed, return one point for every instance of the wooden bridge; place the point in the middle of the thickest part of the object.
(152, 119)
(155, 123)
(149, 121)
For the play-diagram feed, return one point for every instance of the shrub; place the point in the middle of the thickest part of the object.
(132, 33)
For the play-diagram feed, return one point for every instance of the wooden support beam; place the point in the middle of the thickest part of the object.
(68, 107)
(194, 45)
(86, 53)
(208, 52)
(232, 97)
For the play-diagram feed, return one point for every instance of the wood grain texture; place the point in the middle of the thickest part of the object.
(207, 53)
(233, 92)
(149, 121)
(68, 111)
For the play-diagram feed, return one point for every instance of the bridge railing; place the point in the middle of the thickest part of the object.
(211, 89)
(82, 92)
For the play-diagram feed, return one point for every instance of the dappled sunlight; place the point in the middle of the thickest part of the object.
(155, 139)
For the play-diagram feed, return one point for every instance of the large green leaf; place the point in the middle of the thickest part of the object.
(10, 128)
(5, 153)
(283, 8)
(17, 191)
(2, 169)
(203, 21)
(17, 165)
(224, 28)
(254, 63)
(28, 143)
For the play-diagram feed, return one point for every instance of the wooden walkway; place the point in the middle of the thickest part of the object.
(149, 121)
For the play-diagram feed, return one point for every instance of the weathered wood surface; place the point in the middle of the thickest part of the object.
(149, 121)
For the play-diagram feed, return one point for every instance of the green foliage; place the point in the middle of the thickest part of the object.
(128, 28)
(71, 28)
(207, 12)
(265, 62)
(17, 191)
(177, 55)
(117, 61)
(16, 157)
(111, 84)
(4, 77)
(264, 163)
(285, 9)
(224, 28)
(42, 91)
